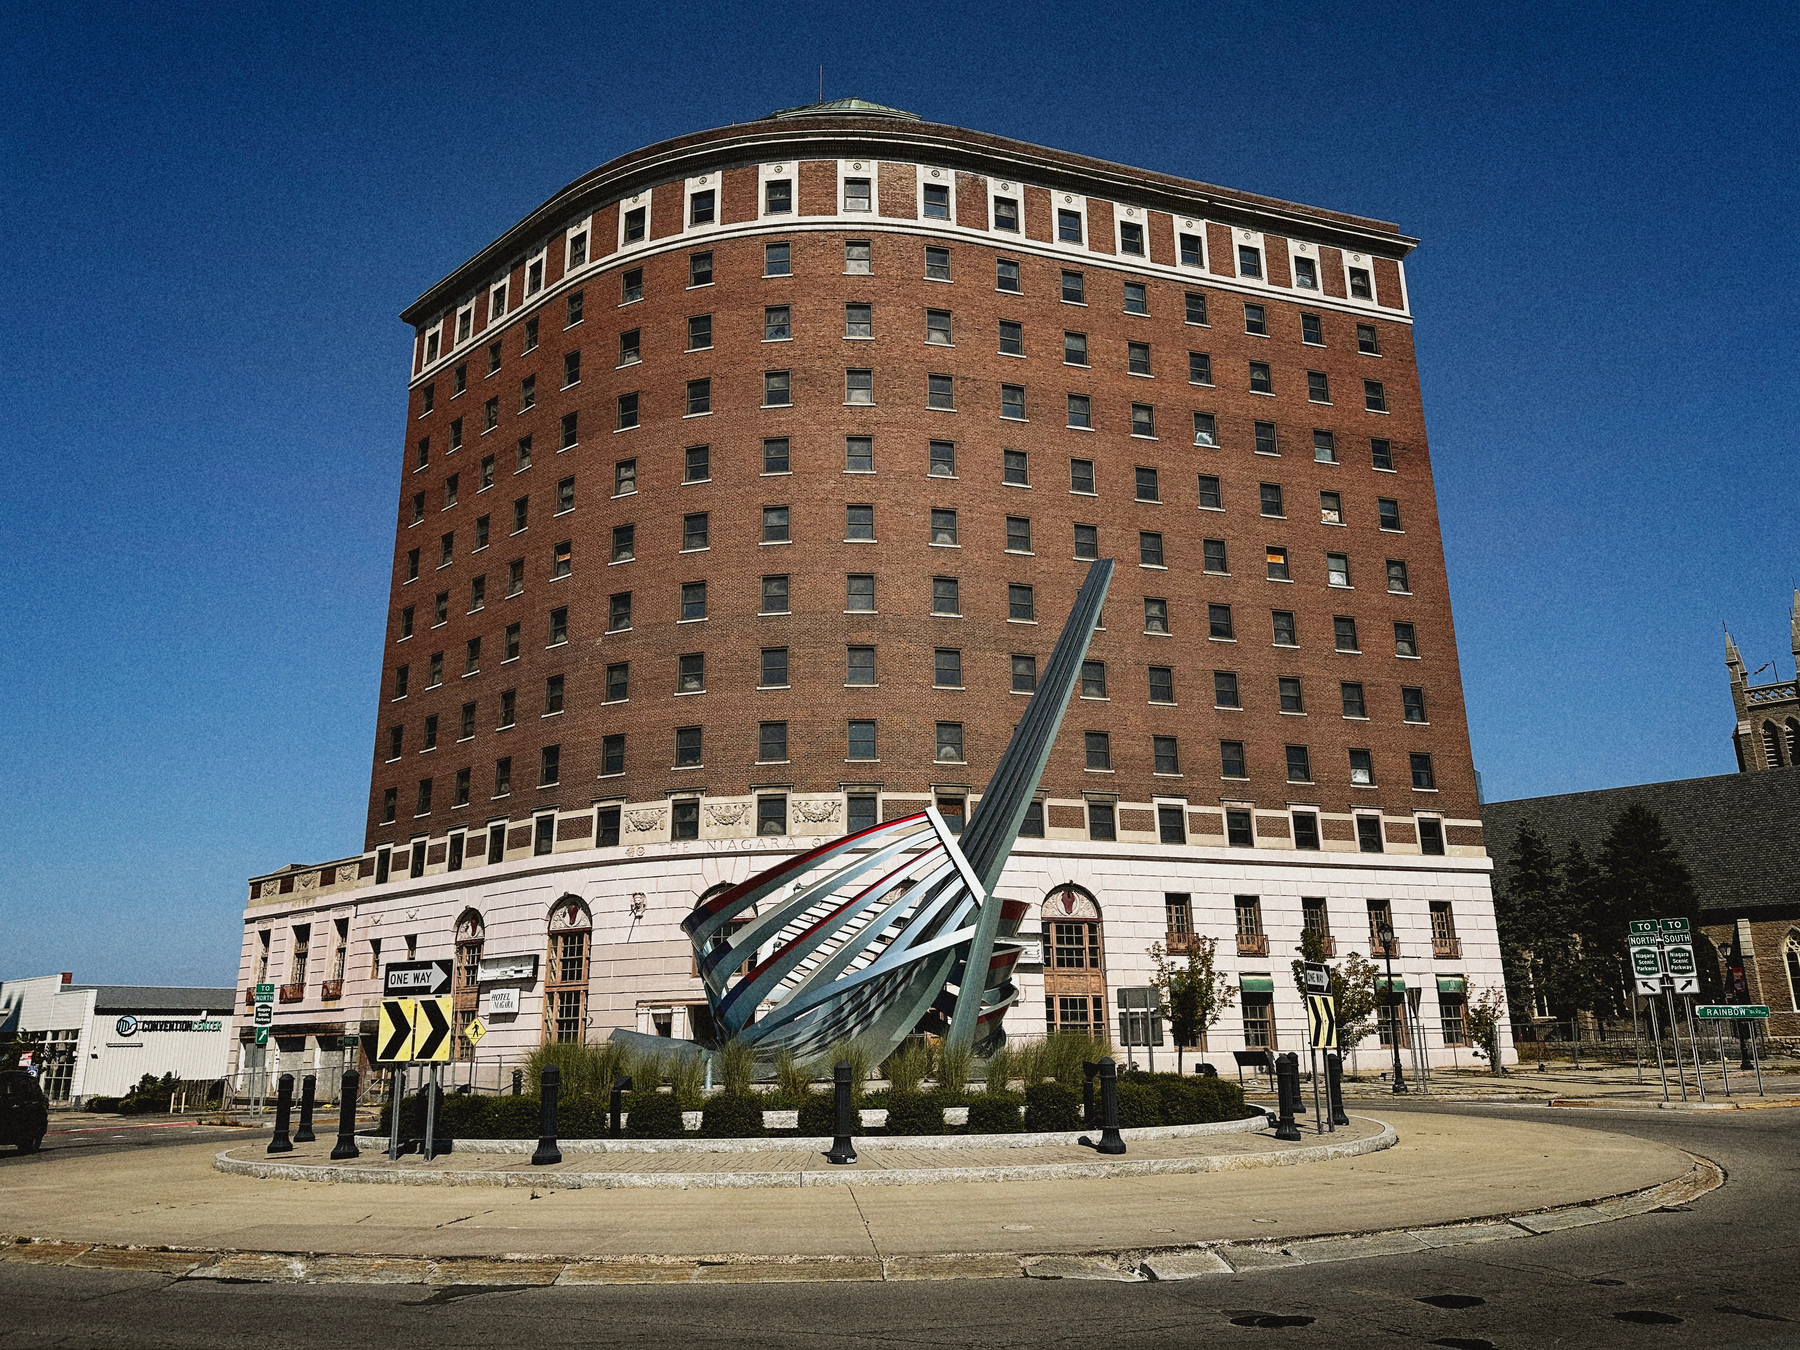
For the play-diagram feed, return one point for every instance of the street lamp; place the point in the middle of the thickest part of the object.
(1385, 932)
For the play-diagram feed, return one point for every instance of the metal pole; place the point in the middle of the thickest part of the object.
(346, 1140)
(396, 1096)
(1318, 1114)
(305, 1135)
(1110, 1142)
(1724, 1068)
(1662, 1069)
(547, 1153)
(1694, 1044)
(1637, 1038)
(1287, 1084)
(1756, 1058)
(1675, 1037)
(843, 1150)
(1334, 1090)
(284, 1103)
(431, 1100)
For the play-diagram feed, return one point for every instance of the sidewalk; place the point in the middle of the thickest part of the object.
(1444, 1169)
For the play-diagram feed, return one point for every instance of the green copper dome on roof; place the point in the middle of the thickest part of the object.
(845, 107)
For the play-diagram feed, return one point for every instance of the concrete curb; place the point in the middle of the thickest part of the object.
(1188, 1261)
(828, 1176)
(820, 1143)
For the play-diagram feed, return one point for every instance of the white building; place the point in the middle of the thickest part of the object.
(99, 1040)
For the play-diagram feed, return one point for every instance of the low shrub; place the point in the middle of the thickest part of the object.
(1139, 1106)
(818, 1114)
(652, 1115)
(1051, 1107)
(995, 1112)
(914, 1113)
(732, 1115)
(512, 1118)
(101, 1104)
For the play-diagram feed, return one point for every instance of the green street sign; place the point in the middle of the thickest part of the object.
(1645, 963)
(1674, 925)
(262, 1035)
(265, 1015)
(1730, 1012)
(1642, 927)
(265, 993)
(1681, 960)
(348, 1043)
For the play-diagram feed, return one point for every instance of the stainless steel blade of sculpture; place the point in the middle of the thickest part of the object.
(872, 933)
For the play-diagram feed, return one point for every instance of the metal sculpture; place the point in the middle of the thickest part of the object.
(874, 932)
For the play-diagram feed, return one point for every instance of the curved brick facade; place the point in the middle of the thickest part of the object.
(911, 307)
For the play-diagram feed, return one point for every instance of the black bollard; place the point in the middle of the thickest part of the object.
(1109, 1109)
(518, 1082)
(547, 1151)
(1287, 1083)
(284, 1106)
(1087, 1092)
(842, 1149)
(1334, 1078)
(619, 1088)
(305, 1135)
(346, 1141)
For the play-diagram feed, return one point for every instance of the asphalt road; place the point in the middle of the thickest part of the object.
(1721, 1272)
(87, 1137)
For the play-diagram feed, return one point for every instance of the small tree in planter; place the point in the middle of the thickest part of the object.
(1484, 1015)
(1194, 992)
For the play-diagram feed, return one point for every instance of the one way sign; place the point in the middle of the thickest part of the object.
(417, 979)
(413, 1030)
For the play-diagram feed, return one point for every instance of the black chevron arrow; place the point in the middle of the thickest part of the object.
(436, 1028)
(399, 1030)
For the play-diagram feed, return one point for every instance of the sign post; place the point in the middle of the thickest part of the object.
(1321, 1017)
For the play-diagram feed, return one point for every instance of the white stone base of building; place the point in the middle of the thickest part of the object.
(639, 970)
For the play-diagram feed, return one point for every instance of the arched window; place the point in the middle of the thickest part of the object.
(1771, 745)
(566, 971)
(1074, 961)
(1793, 741)
(465, 992)
(1791, 951)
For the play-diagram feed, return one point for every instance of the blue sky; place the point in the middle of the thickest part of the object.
(211, 218)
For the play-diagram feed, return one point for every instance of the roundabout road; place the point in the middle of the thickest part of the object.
(1719, 1272)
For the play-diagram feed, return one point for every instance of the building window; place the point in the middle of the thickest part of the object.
(1074, 288)
(1284, 630)
(1412, 702)
(1337, 569)
(1306, 274)
(859, 386)
(1374, 396)
(1012, 402)
(940, 392)
(1143, 420)
(859, 593)
(618, 612)
(1021, 604)
(777, 261)
(1422, 776)
(1162, 684)
(1359, 284)
(561, 560)
(694, 531)
(1024, 674)
(696, 465)
(700, 269)
(856, 257)
(1368, 833)
(775, 455)
(1006, 214)
(1431, 836)
(1225, 689)
(1213, 553)
(1218, 622)
(693, 600)
(1249, 261)
(1318, 387)
(1098, 749)
(1362, 765)
(1299, 764)
(1068, 227)
(1312, 331)
(1136, 298)
(1343, 628)
(860, 740)
(950, 742)
(1093, 679)
(687, 747)
(618, 682)
(1006, 276)
(1260, 380)
(774, 595)
(776, 525)
(631, 286)
(690, 675)
(1150, 549)
(772, 744)
(1012, 338)
(1366, 340)
(937, 328)
(946, 670)
(1087, 543)
(859, 522)
(612, 756)
(860, 666)
(946, 596)
(1238, 833)
(1351, 694)
(1231, 760)
(1396, 578)
(1156, 615)
(503, 777)
(1166, 759)
(1404, 642)
(1018, 534)
(1131, 238)
(1033, 824)
(1101, 822)
(937, 264)
(859, 321)
(859, 454)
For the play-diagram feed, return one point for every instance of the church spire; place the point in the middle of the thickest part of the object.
(1794, 625)
(1734, 662)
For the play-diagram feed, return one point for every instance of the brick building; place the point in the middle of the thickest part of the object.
(745, 484)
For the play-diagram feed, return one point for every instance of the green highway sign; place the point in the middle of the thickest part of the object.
(262, 1035)
(1681, 960)
(1643, 928)
(1674, 925)
(1731, 1011)
(1645, 963)
(265, 993)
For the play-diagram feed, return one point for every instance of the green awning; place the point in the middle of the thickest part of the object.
(1256, 984)
(1381, 983)
(1452, 984)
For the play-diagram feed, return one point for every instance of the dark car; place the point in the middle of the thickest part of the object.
(24, 1111)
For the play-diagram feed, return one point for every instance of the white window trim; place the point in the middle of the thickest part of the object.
(871, 170)
(540, 259)
(1362, 262)
(626, 206)
(772, 173)
(583, 226)
(706, 182)
(1195, 225)
(1123, 215)
(1067, 201)
(1242, 238)
(923, 175)
(1016, 192)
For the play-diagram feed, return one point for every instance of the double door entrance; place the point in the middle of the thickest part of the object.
(1074, 962)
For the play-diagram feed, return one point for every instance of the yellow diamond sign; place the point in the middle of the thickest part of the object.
(475, 1031)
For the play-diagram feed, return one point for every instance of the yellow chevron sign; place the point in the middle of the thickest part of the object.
(1321, 1017)
(413, 1030)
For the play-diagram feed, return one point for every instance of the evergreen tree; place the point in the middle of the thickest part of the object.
(1641, 876)
(1527, 913)
(1587, 972)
